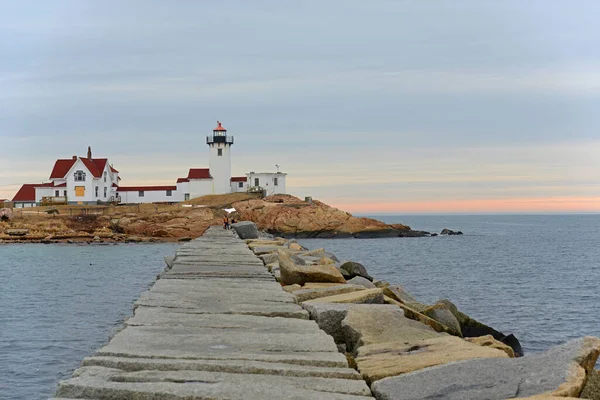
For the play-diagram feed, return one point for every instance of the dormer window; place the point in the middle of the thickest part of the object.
(79, 176)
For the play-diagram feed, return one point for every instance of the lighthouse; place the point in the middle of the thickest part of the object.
(220, 159)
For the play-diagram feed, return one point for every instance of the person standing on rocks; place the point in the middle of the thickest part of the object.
(225, 222)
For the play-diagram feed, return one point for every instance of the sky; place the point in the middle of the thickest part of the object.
(370, 106)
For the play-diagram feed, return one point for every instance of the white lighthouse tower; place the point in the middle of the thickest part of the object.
(220, 159)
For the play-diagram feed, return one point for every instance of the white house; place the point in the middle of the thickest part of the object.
(88, 180)
(77, 180)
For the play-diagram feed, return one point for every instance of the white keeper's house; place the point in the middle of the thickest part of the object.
(89, 180)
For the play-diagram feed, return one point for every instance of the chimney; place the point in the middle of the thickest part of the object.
(89, 152)
(74, 157)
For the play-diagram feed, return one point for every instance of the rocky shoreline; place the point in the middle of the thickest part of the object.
(281, 215)
(405, 349)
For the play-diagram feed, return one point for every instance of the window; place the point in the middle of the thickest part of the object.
(275, 181)
(219, 152)
(57, 193)
(80, 191)
(169, 193)
(105, 179)
(186, 196)
(105, 189)
(65, 193)
(256, 182)
(79, 176)
(141, 193)
(241, 184)
(96, 191)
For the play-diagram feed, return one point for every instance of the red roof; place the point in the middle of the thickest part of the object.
(239, 179)
(26, 193)
(199, 173)
(180, 180)
(61, 167)
(145, 188)
(115, 185)
(94, 165)
(61, 185)
(113, 170)
(219, 127)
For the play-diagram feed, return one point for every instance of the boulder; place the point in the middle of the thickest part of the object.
(350, 269)
(381, 284)
(296, 247)
(382, 360)
(489, 341)
(379, 324)
(561, 371)
(364, 296)
(292, 288)
(245, 229)
(269, 258)
(592, 386)
(297, 260)
(292, 273)
(332, 256)
(473, 328)
(5, 214)
(397, 293)
(17, 232)
(360, 281)
(309, 294)
(447, 231)
(326, 260)
(386, 343)
(411, 313)
(444, 316)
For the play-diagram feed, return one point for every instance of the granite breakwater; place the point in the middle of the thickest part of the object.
(229, 319)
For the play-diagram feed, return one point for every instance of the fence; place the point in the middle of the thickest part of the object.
(121, 210)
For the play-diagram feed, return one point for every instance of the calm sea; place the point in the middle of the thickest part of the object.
(58, 303)
(536, 276)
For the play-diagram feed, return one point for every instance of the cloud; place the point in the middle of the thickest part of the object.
(385, 103)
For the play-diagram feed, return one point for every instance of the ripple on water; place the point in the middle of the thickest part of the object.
(57, 308)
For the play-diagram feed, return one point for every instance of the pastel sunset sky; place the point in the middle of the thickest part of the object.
(371, 106)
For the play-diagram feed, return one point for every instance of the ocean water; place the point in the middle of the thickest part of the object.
(536, 276)
(59, 303)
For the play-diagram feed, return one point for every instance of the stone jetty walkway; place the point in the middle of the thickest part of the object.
(217, 326)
